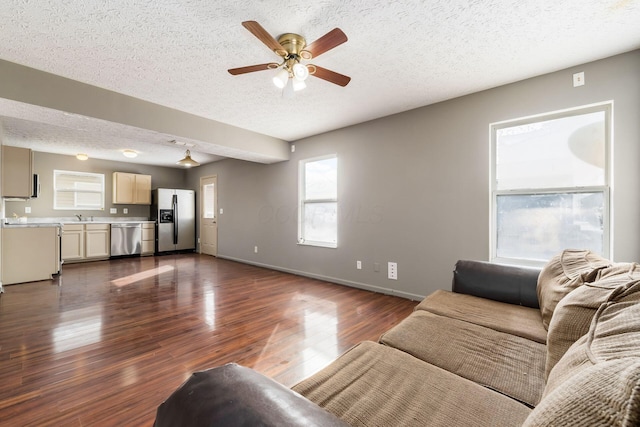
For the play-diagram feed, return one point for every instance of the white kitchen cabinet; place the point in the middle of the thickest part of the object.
(85, 242)
(97, 241)
(148, 238)
(17, 172)
(131, 189)
(29, 254)
(72, 242)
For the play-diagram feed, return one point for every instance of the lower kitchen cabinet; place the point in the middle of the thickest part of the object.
(29, 254)
(85, 242)
(148, 238)
(72, 242)
(97, 241)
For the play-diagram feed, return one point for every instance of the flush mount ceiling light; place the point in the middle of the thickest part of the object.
(130, 154)
(181, 143)
(82, 156)
(293, 48)
(187, 162)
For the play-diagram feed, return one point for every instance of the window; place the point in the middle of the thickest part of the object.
(78, 190)
(550, 185)
(318, 214)
(208, 201)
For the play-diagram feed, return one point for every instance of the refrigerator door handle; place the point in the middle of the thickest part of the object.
(174, 203)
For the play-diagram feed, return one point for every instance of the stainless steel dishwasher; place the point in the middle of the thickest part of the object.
(126, 238)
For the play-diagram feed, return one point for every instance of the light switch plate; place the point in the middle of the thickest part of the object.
(113, 210)
(27, 209)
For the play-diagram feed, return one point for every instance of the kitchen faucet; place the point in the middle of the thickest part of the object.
(79, 217)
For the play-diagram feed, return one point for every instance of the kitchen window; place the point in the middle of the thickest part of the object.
(78, 190)
(318, 195)
(550, 185)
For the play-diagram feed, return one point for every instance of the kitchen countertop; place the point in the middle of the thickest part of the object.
(58, 222)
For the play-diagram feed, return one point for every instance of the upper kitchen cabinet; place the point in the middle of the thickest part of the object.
(17, 172)
(131, 188)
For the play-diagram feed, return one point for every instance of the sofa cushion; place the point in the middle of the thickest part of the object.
(597, 381)
(573, 314)
(376, 385)
(562, 274)
(513, 319)
(511, 365)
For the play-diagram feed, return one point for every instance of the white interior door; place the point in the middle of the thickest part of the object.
(208, 217)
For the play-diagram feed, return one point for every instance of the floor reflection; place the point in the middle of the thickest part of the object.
(77, 328)
(315, 335)
(133, 278)
(107, 341)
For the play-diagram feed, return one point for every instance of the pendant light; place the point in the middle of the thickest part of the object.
(187, 162)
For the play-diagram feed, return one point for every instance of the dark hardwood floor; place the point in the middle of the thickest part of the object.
(106, 342)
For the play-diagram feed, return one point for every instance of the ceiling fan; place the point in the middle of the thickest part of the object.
(293, 48)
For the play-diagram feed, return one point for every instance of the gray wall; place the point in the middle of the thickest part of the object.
(45, 163)
(414, 187)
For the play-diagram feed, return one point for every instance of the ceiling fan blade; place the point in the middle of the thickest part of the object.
(330, 76)
(252, 68)
(266, 38)
(327, 42)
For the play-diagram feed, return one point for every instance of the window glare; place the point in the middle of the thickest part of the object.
(563, 152)
(320, 222)
(550, 185)
(538, 226)
(318, 215)
(78, 190)
(208, 208)
(321, 179)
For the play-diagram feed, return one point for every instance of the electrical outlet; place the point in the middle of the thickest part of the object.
(113, 210)
(392, 270)
(125, 211)
(255, 249)
(221, 211)
(578, 79)
(293, 148)
(27, 209)
(359, 265)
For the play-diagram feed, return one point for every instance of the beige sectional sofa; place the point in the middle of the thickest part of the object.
(508, 346)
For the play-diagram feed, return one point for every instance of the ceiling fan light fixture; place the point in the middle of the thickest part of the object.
(130, 154)
(288, 90)
(298, 84)
(300, 72)
(187, 162)
(281, 78)
(82, 156)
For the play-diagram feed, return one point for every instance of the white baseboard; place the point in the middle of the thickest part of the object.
(359, 285)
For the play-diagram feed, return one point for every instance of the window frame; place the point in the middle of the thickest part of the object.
(57, 173)
(303, 201)
(605, 188)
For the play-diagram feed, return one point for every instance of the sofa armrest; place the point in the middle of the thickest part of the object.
(504, 283)
(232, 395)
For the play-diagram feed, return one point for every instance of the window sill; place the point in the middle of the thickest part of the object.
(319, 244)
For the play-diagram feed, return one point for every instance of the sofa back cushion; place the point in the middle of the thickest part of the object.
(564, 273)
(573, 314)
(597, 381)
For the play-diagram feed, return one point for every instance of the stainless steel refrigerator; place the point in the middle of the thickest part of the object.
(175, 214)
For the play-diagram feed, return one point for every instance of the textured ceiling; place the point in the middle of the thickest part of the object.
(400, 55)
